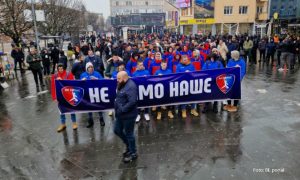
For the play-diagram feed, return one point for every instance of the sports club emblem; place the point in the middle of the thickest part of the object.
(225, 82)
(73, 95)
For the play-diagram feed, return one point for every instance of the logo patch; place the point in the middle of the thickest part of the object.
(73, 95)
(225, 82)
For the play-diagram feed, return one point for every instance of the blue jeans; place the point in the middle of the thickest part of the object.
(125, 130)
(63, 118)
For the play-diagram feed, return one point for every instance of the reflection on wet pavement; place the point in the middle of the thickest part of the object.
(265, 133)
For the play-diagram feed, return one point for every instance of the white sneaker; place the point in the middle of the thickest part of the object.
(280, 69)
(147, 117)
(138, 118)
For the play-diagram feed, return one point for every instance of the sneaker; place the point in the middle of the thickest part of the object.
(138, 118)
(110, 113)
(183, 113)
(194, 112)
(158, 116)
(232, 109)
(280, 69)
(226, 107)
(74, 126)
(170, 115)
(130, 158)
(126, 153)
(147, 117)
(61, 128)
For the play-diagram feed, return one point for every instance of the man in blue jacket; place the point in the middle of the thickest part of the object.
(91, 74)
(95, 60)
(126, 112)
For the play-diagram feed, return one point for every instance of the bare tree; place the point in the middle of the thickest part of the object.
(13, 23)
(62, 16)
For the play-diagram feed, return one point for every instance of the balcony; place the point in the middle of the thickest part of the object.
(262, 16)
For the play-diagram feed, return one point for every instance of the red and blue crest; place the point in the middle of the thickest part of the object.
(73, 95)
(225, 82)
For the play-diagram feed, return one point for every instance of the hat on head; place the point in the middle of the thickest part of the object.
(88, 65)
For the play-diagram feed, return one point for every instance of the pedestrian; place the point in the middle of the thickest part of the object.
(18, 57)
(78, 67)
(55, 58)
(235, 61)
(62, 74)
(247, 46)
(46, 62)
(271, 49)
(262, 50)
(34, 61)
(126, 112)
(91, 74)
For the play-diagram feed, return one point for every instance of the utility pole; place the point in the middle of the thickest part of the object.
(35, 27)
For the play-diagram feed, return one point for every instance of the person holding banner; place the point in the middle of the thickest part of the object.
(91, 74)
(126, 113)
(62, 74)
(163, 71)
(132, 63)
(235, 61)
(185, 65)
(212, 62)
(140, 71)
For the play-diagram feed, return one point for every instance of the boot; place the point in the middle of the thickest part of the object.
(183, 113)
(75, 126)
(61, 128)
(170, 115)
(232, 109)
(90, 123)
(153, 108)
(147, 117)
(110, 113)
(194, 112)
(138, 118)
(158, 116)
(226, 107)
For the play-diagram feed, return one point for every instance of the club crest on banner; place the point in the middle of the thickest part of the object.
(73, 95)
(225, 82)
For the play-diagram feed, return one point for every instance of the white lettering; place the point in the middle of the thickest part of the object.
(104, 95)
(173, 89)
(159, 90)
(196, 86)
(184, 88)
(94, 95)
(145, 92)
(207, 85)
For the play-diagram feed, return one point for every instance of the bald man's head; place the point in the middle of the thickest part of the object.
(122, 78)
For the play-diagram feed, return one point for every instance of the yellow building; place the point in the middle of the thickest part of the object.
(242, 16)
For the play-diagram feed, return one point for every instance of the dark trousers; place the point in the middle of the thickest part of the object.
(262, 54)
(54, 65)
(124, 129)
(46, 69)
(278, 57)
(270, 56)
(37, 73)
(235, 102)
(91, 120)
(20, 64)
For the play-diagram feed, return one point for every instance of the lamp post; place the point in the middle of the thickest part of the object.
(35, 27)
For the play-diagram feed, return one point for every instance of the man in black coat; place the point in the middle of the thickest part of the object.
(126, 112)
(18, 56)
(55, 58)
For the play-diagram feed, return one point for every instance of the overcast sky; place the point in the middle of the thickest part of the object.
(98, 6)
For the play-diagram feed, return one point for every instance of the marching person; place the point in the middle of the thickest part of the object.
(91, 74)
(46, 62)
(126, 112)
(235, 61)
(34, 61)
(62, 74)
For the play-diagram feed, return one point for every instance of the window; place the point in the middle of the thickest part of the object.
(146, 3)
(128, 3)
(117, 3)
(243, 10)
(227, 9)
(259, 9)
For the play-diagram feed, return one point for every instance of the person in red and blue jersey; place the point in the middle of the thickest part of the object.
(155, 65)
(169, 56)
(235, 61)
(186, 50)
(186, 66)
(141, 71)
(132, 63)
(212, 62)
(91, 74)
(164, 71)
(175, 62)
(197, 60)
(149, 60)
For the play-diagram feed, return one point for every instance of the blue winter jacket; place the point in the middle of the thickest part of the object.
(185, 68)
(88, 76)
(212, 65)
(126, 101)
(163, 72)
(139, 73)
(241, 63)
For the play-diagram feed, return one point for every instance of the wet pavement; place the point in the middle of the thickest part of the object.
(264, 135)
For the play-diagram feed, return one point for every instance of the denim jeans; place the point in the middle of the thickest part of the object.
(63, 118)
(125, 130)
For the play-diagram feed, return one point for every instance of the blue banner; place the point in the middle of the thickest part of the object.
(179, 88)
